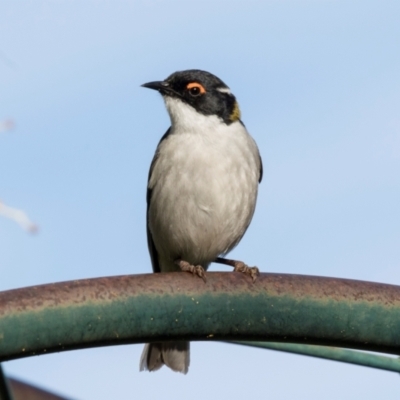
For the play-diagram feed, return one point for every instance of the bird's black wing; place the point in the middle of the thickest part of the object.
(259, 156)
(150, 242)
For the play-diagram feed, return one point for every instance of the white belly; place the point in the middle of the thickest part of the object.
(204, 191)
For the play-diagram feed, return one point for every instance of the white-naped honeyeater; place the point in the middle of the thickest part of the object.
(202, 189)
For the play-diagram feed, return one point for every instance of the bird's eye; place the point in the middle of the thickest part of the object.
(195, 89)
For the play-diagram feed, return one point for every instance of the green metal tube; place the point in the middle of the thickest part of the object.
(331, 353)
(176, 306)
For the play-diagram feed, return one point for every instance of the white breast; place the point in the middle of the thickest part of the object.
(204, 187)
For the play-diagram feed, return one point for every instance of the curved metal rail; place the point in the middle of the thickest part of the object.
(332, 353)
(229, 306)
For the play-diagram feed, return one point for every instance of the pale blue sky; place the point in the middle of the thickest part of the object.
(319, 89)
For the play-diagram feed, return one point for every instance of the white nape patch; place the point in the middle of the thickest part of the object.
(184, 118)
(224, 90)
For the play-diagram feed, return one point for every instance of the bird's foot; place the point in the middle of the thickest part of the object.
(245, 269)
(194, 269)
(240, 266)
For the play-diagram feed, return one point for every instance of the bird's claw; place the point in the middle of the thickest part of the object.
(194, 269)
(245, 269)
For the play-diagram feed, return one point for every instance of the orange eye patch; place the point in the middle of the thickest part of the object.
(196, 87)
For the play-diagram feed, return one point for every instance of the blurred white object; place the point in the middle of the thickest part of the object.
(18, 216)
(6, 125)
(15, 214)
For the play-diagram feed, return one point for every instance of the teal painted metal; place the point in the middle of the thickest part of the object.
(332, 353)
(175, 306)
(5, 392)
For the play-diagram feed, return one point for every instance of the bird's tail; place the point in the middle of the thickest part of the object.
(175, 355)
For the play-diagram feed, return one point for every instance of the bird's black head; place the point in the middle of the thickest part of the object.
(206, 93)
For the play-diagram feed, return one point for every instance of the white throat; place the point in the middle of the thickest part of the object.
(185, 118)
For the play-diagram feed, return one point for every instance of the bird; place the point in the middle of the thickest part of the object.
(202, 189)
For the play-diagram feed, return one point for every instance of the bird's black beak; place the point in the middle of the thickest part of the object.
(161, 86)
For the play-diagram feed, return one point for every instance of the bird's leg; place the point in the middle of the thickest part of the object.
(194, 269)
(239, 266)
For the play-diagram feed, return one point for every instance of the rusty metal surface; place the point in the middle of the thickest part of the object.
(24, 391)
(229, 306)
(109, 288)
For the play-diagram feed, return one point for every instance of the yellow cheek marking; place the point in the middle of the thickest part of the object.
(235, 113)
(196, 85)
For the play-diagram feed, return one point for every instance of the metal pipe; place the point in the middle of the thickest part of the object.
(331, 353)
(174, 306)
